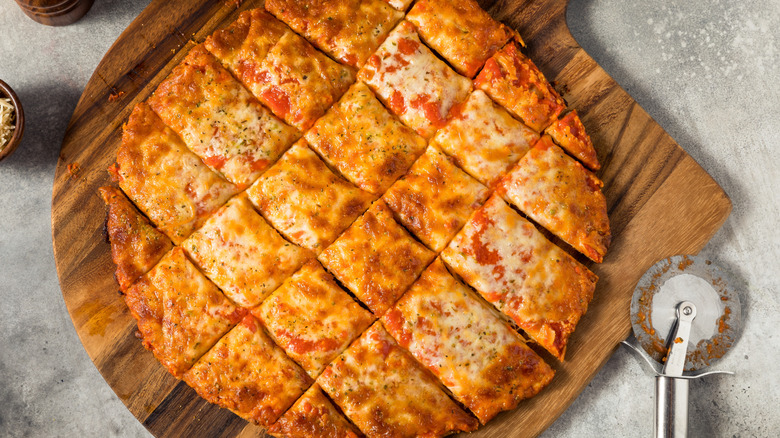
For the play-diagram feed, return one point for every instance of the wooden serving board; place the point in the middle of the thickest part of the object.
(660, 201)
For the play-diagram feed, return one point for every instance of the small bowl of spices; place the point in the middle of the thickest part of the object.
(11, 120)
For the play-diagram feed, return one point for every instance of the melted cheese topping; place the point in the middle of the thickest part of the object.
(513, 80)
(569, 133)
(513, 266)
(136, 246)
(170, 184)
(242, 254)
(376, 258)
(348, 30)
(435, 199)
(360, 138)
(483, 138)
(312, 318)
(401, 5)
(385, 392)
(246, 373)
(244, 44)
(461, 31)
(180, 313)
(297, 82)
(219, 120)
(412, 82)
(561, 195)
(305, 200)
(478, 357)
(313, 415)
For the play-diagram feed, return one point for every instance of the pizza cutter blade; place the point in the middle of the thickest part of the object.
(685, 315)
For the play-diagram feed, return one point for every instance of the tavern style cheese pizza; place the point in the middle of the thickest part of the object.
(315, 223)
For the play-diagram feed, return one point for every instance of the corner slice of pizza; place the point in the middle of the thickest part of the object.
(246, 373)
(483, 138)
(561, 195)
(312, 318)
(569, 133)
(364, 142)
(136, 246)
(303, 199)
(313, 416)
(513, 80)
(240, 252)
(376, 258)
(542, 288)
(219, 119)
(347, 30)
(244, 44)
(484, 363)
(435, 199)
(461, 31)
(412, 82)
(180, 313)
(168, 182)
(298, 82)
(385, 392)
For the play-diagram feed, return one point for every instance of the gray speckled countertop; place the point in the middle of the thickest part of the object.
(707, 70)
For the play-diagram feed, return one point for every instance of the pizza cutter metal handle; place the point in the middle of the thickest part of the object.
(671, 394)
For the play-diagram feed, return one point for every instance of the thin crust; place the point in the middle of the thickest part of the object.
(557, 192)
(479, 358)
(170, 184)
(385, 392)
(514, 81)
(136, 246)
(180, 313)
(543, 289)
(347, 30)
(246, 373)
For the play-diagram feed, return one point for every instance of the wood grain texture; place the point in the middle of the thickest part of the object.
(660, 202)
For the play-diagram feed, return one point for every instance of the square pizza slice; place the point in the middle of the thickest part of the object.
(483, 138)
(569, 133)
(542, 288)
(435, 199)
(376, 258)
(312, 318)
(313, 416)
(244, 44)
(298, 82)
(347, 30)
(512, 79)
(136, 246)
(242, 254)
(461, 31)
(180, 313)
(219, 119)
(303, 199)
(484, 363)
(246, 373)
(168, 182)
(366, 143)
(385, 392)
(561, 195)
(412, 82)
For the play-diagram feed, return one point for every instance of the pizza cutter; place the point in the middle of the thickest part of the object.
(685, 315)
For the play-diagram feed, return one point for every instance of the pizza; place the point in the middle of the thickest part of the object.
(539, 286)
(484, 363)
(560, 194)
(346, 218)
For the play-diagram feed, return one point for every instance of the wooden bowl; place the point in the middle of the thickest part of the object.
(7, 92)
